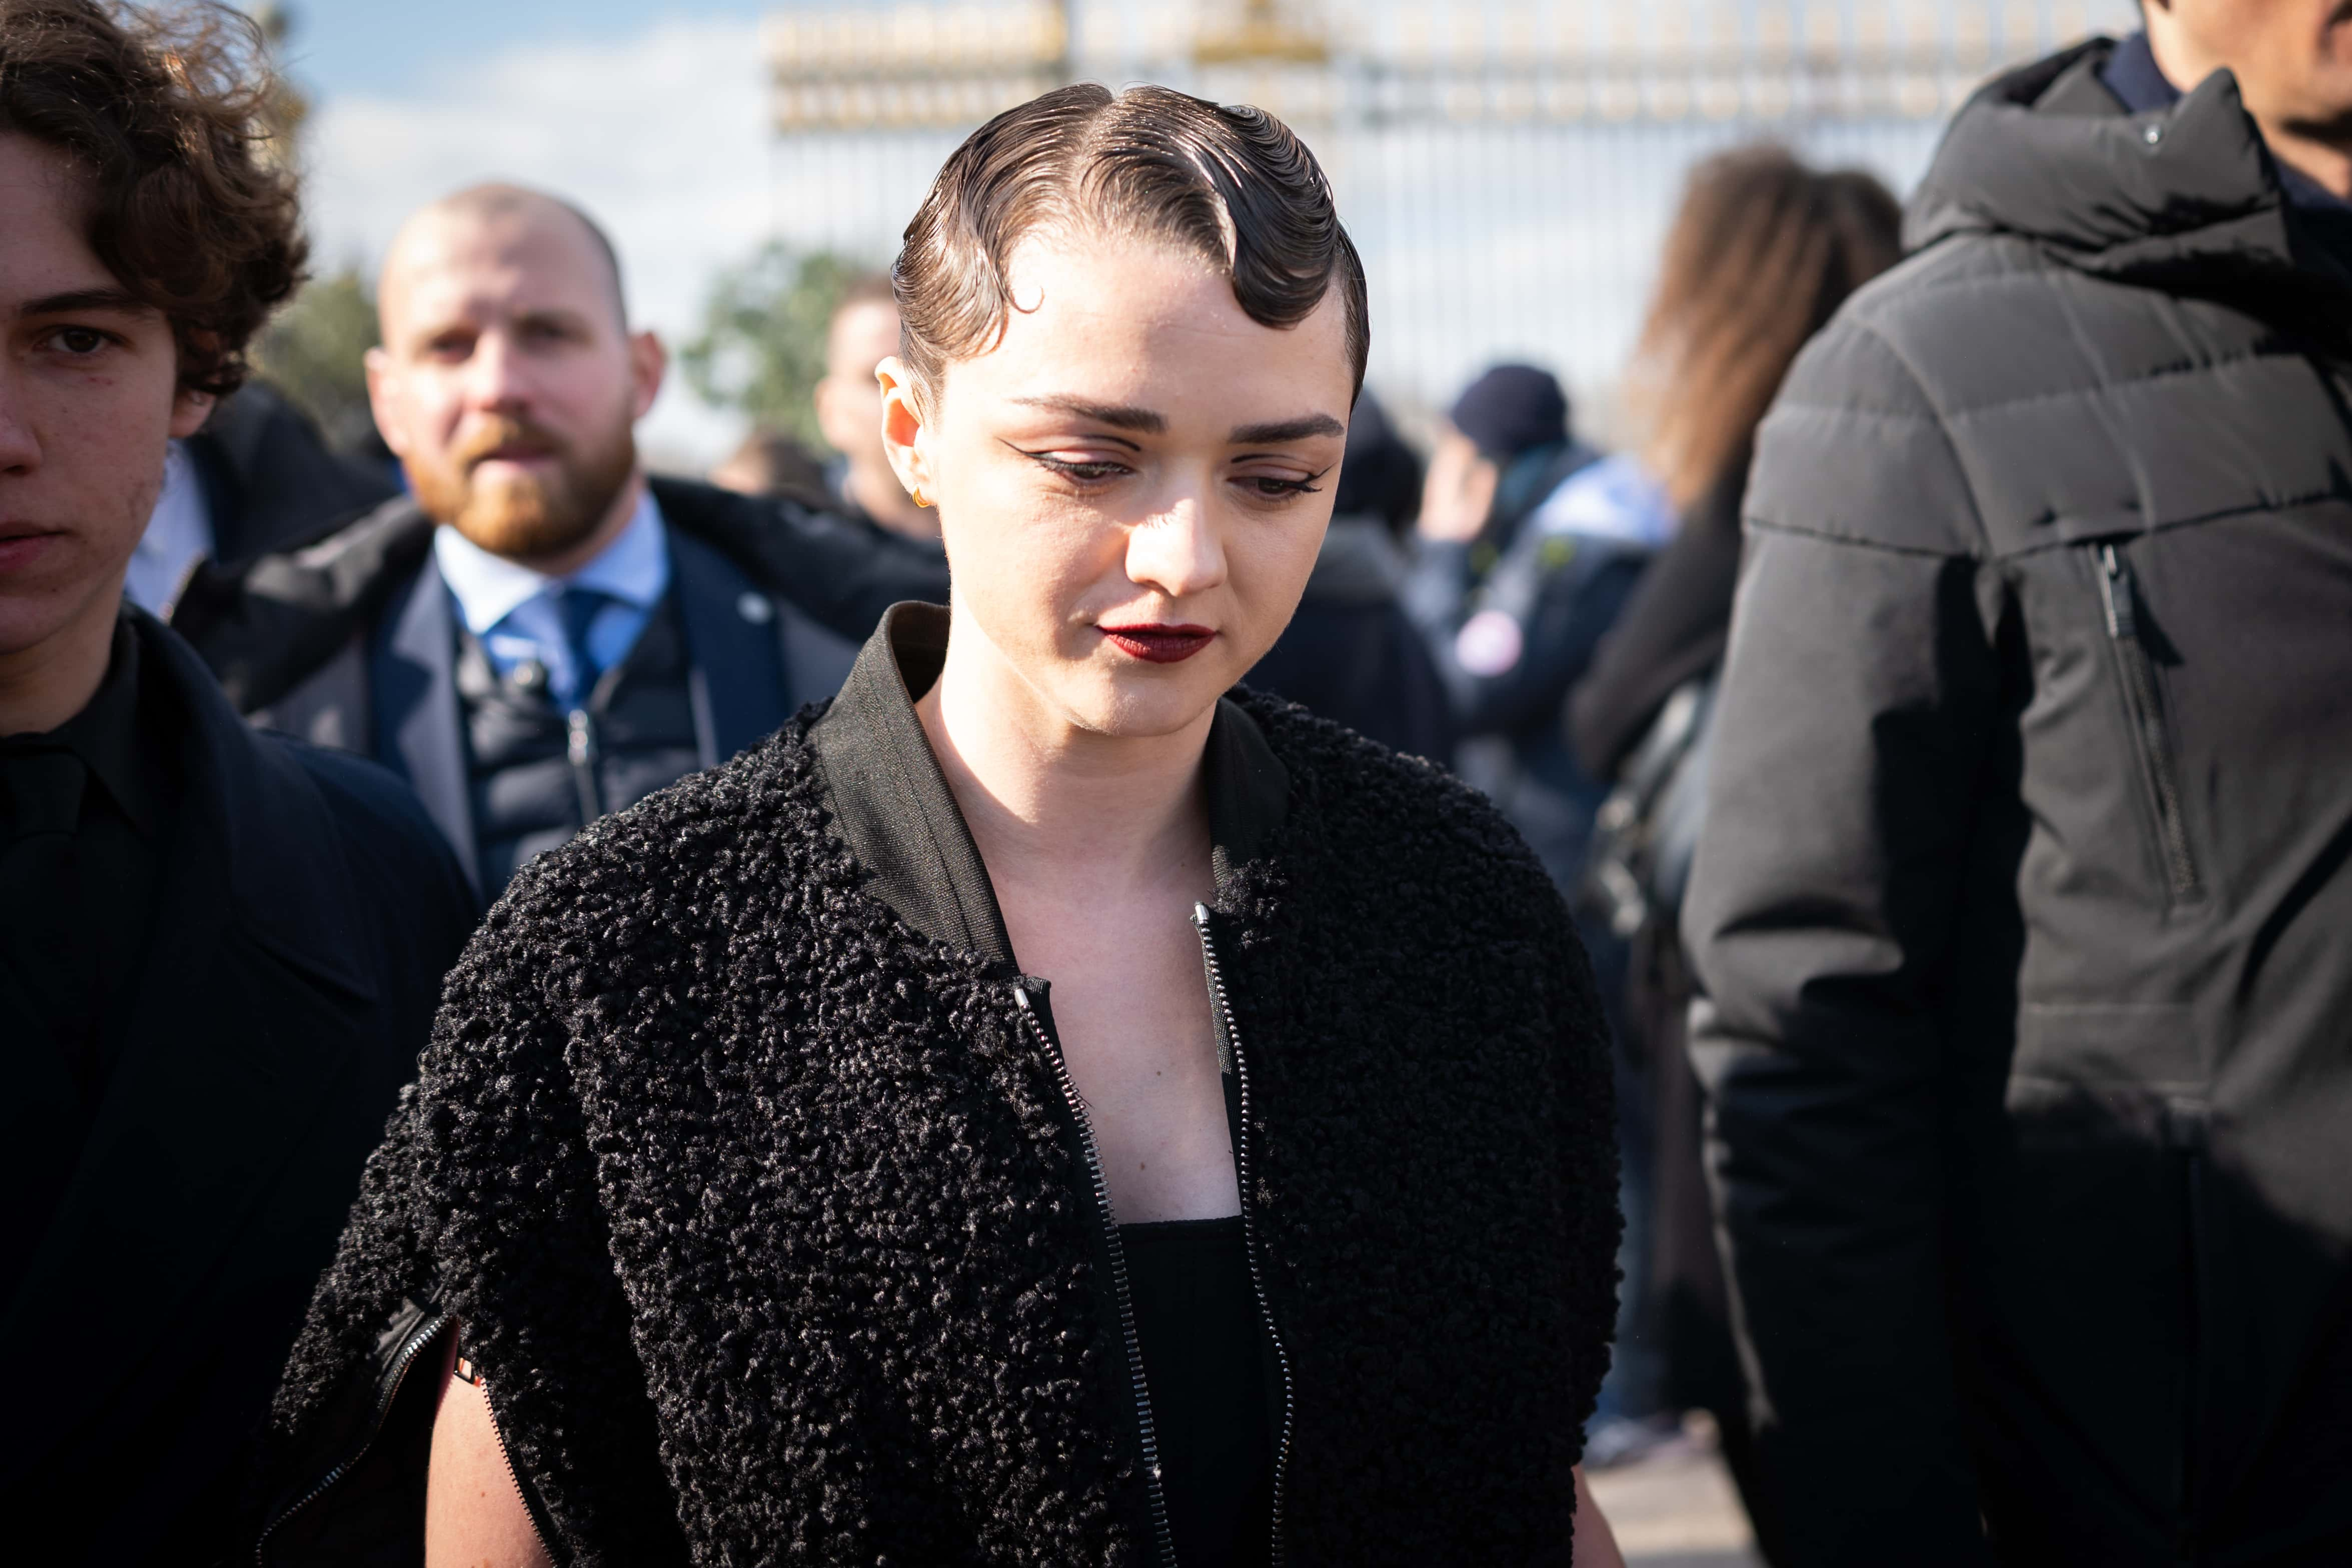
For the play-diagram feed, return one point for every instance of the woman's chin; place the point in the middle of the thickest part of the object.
(1144, 701)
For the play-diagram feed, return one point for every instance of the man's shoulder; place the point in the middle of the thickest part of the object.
(1980, 321)
(840, 573)
(266, 628)
(379, 818)
(1895, 343)
(1960, 402)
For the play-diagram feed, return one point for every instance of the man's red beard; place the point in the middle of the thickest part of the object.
(525, 517)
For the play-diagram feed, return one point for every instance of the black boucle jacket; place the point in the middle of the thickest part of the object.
(767, 1221)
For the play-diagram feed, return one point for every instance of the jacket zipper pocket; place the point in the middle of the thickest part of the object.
(2119, 590)
(539, 1526)
(1249, 1225)
(424, 1334)
(1163, 1533)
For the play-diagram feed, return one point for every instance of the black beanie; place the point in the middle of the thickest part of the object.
(1511, 409)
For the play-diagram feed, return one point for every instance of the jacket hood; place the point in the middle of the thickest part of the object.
(2184, 198)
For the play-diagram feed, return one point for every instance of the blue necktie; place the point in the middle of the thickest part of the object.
(579, 607)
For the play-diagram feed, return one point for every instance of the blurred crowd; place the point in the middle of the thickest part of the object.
(1934, 714)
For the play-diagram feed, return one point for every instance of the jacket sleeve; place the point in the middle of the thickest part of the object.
(1858, 697)
(484, 1203)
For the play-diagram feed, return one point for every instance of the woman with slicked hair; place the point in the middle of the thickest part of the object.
(1049, 1106)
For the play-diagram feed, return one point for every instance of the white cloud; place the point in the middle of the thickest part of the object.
(663, 136)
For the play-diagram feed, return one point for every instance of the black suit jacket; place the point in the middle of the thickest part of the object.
(307, 912)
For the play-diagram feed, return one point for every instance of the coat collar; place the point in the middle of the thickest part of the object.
(257, 801)
(891, 805)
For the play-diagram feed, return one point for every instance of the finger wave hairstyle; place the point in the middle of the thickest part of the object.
(1231, 185)
(166, 114)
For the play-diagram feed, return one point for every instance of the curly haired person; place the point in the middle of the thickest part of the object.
(220, 952)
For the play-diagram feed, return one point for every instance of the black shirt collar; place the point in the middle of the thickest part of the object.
(105, 735)
(891, 804)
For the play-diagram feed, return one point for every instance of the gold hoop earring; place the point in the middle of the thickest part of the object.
(920, 502)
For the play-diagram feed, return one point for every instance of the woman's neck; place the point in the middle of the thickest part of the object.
(1052, 805)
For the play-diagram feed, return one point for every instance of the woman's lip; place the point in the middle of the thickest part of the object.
(1158, 645)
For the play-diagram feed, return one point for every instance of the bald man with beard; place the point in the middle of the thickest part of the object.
(540, 632)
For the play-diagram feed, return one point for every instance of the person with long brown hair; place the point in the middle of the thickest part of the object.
(1761, 254)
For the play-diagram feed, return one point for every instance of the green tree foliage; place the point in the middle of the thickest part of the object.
(313, 353)
(761, 349)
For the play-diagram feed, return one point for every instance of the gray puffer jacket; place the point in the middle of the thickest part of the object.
(2022, 913)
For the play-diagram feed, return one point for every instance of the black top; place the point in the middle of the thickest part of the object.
(1196, 1314)
(82, 811)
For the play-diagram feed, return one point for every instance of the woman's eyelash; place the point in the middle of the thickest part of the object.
(1076, 470)
(1266, 486)
(1270, 485)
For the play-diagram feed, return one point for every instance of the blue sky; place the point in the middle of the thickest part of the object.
(373, 46)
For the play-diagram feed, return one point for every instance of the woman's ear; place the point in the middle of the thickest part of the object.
(905, 430)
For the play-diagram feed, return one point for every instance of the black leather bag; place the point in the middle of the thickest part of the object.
(1647, 829)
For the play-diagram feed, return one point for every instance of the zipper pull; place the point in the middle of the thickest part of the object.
(581, 748)
(2116, 588)
(1200, 915)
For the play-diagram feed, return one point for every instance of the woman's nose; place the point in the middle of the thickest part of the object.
(1176, 550)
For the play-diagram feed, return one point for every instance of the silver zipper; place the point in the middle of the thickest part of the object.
(412, 1347)
(515, 1476)
(2119, 594)
(1162, 1533)
(1249, 1225)
(581, 748)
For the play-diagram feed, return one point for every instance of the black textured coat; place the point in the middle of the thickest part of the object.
(768, 1227)
(2022, 899)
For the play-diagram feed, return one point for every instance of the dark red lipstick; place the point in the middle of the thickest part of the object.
(1158, 645)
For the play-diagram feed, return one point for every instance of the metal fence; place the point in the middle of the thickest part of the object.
(1508, 167)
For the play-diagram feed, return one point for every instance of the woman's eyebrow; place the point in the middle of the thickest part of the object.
(1118, 416)
(1280, 431)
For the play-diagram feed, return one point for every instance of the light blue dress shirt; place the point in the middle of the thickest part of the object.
(179, 534)
(512, 609)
